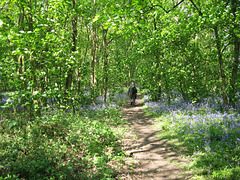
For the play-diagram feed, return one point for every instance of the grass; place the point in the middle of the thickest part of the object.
(203, 132)
(62, 145)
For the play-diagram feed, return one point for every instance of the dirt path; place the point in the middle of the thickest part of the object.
(149, 154)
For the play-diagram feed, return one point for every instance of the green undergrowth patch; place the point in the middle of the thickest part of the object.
(62, 145)
(210, 139)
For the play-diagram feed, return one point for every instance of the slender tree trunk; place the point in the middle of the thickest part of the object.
(42, 66)
(234, 70)
(168, 90)
(69, 78)
(21, 57)
(157, 74)
(158, 79)
(93, 57)
(33, 65)
(221, 68)
(232, 93)
(105, 64)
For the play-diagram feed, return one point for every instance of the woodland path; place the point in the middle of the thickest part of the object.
(150, 155)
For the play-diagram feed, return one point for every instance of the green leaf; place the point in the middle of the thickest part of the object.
(12, 124)
(96, 18)
(1, 22)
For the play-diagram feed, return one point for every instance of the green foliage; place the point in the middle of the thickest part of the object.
(162, 45)
(207, 137)
(61, 145)
(53, 53)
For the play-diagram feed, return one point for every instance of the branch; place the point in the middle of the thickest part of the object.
(166, 11)
(113, 38)
(160, 7)
(175, 6)
(225, 47)
(199, 11)
(153, 6)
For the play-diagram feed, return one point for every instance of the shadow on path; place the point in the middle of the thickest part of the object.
(152, 153)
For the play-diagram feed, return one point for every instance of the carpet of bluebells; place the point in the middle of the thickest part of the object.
(62, 145)
(207, 133)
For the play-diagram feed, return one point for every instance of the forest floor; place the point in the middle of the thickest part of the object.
(151, 157)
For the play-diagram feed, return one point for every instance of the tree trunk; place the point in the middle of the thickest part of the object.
(105, 64)
(221, 68)
(93, 58)
(74, 48)
(236, 56)
(157, 74)
(158, 79)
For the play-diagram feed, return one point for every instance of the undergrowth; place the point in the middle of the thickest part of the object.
(207, 135)
(62, 145)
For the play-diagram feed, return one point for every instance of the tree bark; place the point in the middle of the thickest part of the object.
(93, 57)
(232, 92)
(74, 48)
(221, 68)
(105, 63)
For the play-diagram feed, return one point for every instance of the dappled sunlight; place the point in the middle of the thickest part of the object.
(152, 153)
(210, 136)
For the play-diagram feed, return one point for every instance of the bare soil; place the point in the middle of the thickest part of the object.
(151, 157)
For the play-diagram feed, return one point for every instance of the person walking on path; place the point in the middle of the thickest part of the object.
(132, 93)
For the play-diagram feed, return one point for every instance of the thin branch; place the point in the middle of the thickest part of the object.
(166, 11)
(175, 6)
(199, 11)
(226, 46)
(113, 38)
(160, 7)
